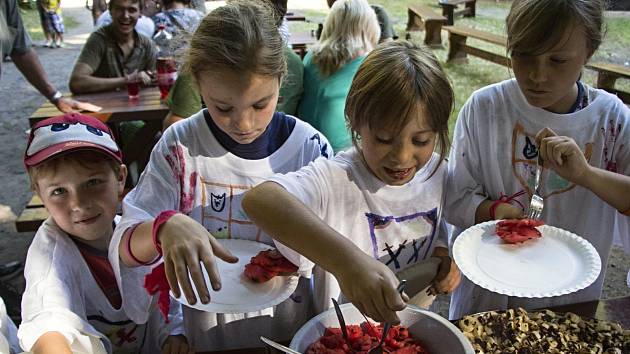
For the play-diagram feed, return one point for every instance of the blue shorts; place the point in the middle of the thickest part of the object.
(55, 22)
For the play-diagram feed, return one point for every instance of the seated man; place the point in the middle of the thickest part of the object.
(115, 53)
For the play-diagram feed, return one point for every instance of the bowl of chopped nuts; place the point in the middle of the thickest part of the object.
(420, 331)
(515, 331)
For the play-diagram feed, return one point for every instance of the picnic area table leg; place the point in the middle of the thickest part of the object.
(448, 11)
(414, 23)
(457, 48)
(470, 9)
(433, 35)
(606, 81)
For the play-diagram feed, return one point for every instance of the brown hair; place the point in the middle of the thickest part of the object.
(84, 158)
(242, 37)
(351, 28)
(536, 26)
(395, 82)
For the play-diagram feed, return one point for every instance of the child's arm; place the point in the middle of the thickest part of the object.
(448, 276)
(52, 343)
(184, 244)
(367, 283)
(561, 154)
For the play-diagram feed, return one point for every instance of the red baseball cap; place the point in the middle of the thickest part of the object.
(69, 132)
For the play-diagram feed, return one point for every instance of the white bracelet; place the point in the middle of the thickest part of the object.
(55, 97)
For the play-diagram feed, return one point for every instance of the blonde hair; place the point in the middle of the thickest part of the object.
(394, 83)
(85, 158)
(241, 37)
(536, 26)
(350, 29)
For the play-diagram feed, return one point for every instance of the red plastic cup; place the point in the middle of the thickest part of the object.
(133, 89)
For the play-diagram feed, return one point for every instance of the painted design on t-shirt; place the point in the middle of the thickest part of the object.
(323, 148)
(125, 336)
(177, 162)
(222, 214)
(611, 133)
(524, 162)
(400, 241)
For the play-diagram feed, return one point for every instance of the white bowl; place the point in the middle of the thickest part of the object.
(436, 333)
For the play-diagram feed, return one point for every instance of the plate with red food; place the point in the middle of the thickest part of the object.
(261, 278)
(526, 258)
(420, 332)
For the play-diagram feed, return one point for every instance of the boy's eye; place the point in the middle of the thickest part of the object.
(94, 182)
(420, 142)
(383, 140)
(224, 110)
(58, 191)
(260, 107)
(558, 60)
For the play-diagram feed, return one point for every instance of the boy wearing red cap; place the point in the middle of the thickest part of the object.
(72, 302)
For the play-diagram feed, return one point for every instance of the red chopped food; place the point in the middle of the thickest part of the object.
(266, 265)
(361, 338)
(516, 231)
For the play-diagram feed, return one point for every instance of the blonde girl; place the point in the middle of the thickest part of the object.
(199, 171)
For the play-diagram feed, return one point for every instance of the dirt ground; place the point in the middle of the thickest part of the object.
(18, 100)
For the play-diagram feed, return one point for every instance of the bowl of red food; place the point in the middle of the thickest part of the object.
(419, 332)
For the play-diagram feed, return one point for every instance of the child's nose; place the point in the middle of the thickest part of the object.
(245, 122)
(401, 153)
(538, 73)
(79, 201)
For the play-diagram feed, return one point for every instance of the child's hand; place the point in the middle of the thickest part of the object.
(185, 243)
(176, 345)
(448, 275)
(563, 155)
(507, 211)
(371, 287)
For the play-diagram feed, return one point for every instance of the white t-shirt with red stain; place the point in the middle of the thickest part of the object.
(494, 152)
(191, 172)
(62, 295)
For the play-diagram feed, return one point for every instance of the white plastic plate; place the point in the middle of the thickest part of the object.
(238, 294)
(558, 263)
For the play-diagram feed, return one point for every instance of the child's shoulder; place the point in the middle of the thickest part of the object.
(491, 92)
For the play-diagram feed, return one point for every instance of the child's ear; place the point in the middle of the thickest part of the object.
(122, 178)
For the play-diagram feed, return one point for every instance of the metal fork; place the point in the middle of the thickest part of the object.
(537, 203)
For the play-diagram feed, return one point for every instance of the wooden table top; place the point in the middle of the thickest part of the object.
(117, 107)
(302, 39)
(294, 16)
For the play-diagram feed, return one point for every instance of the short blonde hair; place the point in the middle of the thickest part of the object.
(350, 28)
(394, 83)
(241, 37)
(536, 26)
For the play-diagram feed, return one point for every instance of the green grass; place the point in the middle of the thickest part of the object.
(30, 17)
(466, 78)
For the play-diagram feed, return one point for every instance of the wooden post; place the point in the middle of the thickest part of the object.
(457, 48)
(448, 11)
(433, 35)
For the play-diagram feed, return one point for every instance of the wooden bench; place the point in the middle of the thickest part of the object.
(458, 48)
(607, 75)
(32, 216)
(422, 17)
(449, 9)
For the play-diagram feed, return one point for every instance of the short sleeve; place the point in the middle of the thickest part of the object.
(93, 51)
(21, 40)
(184, 99)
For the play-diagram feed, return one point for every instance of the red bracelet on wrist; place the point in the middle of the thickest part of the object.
(504, 199)
(157, 223)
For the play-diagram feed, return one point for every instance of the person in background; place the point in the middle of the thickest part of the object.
(44, 23)
(580, 133)
(115, 54)
(54, 21)
(144, 26)
(72, 301)
(98, 8)
(384, 22)
(177, 18)
(15, 42)
(350, 32)
(184, 99)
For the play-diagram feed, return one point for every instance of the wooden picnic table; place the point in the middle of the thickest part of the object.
(118, 108)
(449, 6)
(294, 16)
(300, 41)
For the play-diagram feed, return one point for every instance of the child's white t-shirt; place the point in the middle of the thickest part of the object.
(8, 332)
(62, 296)
(494, 152)
(191, 172)
(399, 225)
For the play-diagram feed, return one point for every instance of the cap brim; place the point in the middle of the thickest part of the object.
(65, 147)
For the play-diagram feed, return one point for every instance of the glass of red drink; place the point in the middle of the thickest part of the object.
(133, 85)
